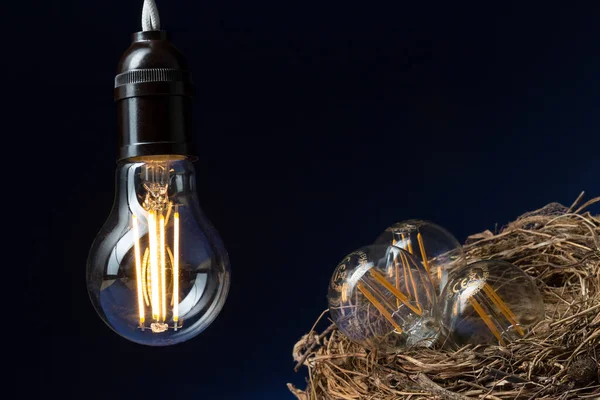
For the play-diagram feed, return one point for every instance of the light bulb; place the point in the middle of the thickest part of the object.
(489, 302)
(382, 298)
(435, 247)
(157, 273)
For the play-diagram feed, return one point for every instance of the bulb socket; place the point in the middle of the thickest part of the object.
(153, 92)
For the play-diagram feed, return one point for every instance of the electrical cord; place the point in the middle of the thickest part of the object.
(150, 17)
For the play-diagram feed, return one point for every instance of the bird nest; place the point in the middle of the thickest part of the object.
(559, 247)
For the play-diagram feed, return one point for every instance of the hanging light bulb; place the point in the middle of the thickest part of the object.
(157, 273)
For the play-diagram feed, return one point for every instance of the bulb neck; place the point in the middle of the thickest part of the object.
(153, 91)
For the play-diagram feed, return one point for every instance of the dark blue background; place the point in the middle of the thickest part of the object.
(318, 125)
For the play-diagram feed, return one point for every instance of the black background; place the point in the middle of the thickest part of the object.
(318, 124)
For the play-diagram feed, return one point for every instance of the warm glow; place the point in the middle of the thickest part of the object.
(176, 268)
(138, 269)
(163, 268)
(145, 277)
(169, 208)
(154, 276)
(151, 269)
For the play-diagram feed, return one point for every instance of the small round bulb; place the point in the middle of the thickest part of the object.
(435, 247)
(489, 302)
(382, 298)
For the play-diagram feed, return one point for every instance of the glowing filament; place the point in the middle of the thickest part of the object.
(169, 208)
(138, 269)
(163, 268)
(145, 277)
(176, 267)
(154, 276)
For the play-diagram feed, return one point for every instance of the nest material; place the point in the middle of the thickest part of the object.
(560, 248)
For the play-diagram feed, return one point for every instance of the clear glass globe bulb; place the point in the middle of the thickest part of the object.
(382, 298)
(157, 273)
(488, 302)
(435, 247)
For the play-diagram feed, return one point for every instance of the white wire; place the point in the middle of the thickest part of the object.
(150, 17)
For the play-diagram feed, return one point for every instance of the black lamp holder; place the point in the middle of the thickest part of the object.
(153, 91)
